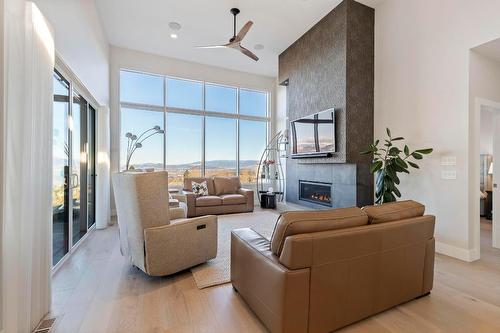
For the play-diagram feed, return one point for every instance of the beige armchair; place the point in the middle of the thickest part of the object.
(154, 243)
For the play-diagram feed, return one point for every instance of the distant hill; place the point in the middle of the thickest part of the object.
(214, 164)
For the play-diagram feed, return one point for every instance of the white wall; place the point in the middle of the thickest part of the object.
(2, 114)
(484, 78)
(486, 132)
(81, 42)
(128, 59)
(421, 92)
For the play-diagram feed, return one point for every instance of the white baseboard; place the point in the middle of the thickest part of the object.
(457, 252)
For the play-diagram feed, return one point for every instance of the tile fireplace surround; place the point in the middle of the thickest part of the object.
(342, 178)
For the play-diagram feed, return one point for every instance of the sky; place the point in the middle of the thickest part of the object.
(184, 132)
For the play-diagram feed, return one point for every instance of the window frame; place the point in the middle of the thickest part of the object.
(203, 113)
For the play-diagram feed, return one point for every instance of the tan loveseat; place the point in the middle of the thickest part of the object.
(323, 270)
(225, 195)
(149, 236)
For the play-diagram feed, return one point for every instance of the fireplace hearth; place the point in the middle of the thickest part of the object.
(316, 192)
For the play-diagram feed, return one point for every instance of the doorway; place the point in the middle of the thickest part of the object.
(486, 223)
(73, 204)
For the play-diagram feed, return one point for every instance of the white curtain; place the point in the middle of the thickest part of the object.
(103, 169)
(27, 178)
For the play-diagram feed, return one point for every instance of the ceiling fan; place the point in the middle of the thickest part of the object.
(235, 41)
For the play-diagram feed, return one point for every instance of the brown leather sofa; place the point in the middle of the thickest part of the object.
(225, 196)
(323, 270)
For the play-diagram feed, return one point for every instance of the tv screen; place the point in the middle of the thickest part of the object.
(314, 134)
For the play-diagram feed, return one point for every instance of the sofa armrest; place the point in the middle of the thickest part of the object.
(279, 296)
(191, 203)
(180, 245)
(249, 198)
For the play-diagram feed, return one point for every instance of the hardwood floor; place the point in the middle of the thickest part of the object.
(98, 291)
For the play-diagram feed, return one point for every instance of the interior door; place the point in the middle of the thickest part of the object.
(496, 180)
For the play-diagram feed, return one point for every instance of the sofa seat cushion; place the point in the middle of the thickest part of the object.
(226, 185)
(233, 199)
(303, 222)
(393, 211)
(209, 200)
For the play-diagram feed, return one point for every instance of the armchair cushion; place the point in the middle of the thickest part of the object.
(226, 185)
(209, 200)
(233, 199)
(303, 222)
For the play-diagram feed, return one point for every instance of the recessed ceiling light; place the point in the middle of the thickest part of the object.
(173, 36)
(174, 26)
(258, 47)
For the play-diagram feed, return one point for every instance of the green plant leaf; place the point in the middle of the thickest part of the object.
(366, 152)
(396, 191)
(413, 164)
(401, 163)
(416, 156)
(424, 151)
(399, 138)
(388, 132)
(377, 165)
(376, 142)
(407, 150)
(394, 151)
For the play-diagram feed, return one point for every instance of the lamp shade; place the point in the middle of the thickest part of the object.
(490, 170)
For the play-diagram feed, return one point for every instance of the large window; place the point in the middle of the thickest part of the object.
(252, 144)
(137, 122)
(184, 146)
(210, 129)
(220, 147)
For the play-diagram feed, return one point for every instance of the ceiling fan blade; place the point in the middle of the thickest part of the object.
(247, 52)
(244, 31)
(212, 47)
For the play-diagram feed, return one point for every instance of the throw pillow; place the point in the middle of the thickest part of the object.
(200, 189)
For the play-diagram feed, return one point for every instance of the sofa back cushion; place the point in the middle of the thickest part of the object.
(394, 211)
(188, 184)
(226, 185)
(303, 222)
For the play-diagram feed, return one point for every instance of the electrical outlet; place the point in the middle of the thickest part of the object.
(449, 174)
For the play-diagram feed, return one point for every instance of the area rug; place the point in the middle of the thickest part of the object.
(217, 271)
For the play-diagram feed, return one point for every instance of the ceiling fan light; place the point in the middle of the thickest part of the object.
(173, 36)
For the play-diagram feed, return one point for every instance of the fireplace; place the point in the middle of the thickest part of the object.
(316, 192)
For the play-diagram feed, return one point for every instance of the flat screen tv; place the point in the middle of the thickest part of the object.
(314, 135)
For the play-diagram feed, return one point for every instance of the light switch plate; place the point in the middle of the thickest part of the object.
(449, 160)
(449, 174)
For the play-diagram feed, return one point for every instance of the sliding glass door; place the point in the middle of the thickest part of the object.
(60, 176)
(74, 167)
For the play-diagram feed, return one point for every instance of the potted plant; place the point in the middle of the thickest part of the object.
(387, 162)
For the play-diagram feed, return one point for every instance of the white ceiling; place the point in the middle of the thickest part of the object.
(143, 25)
